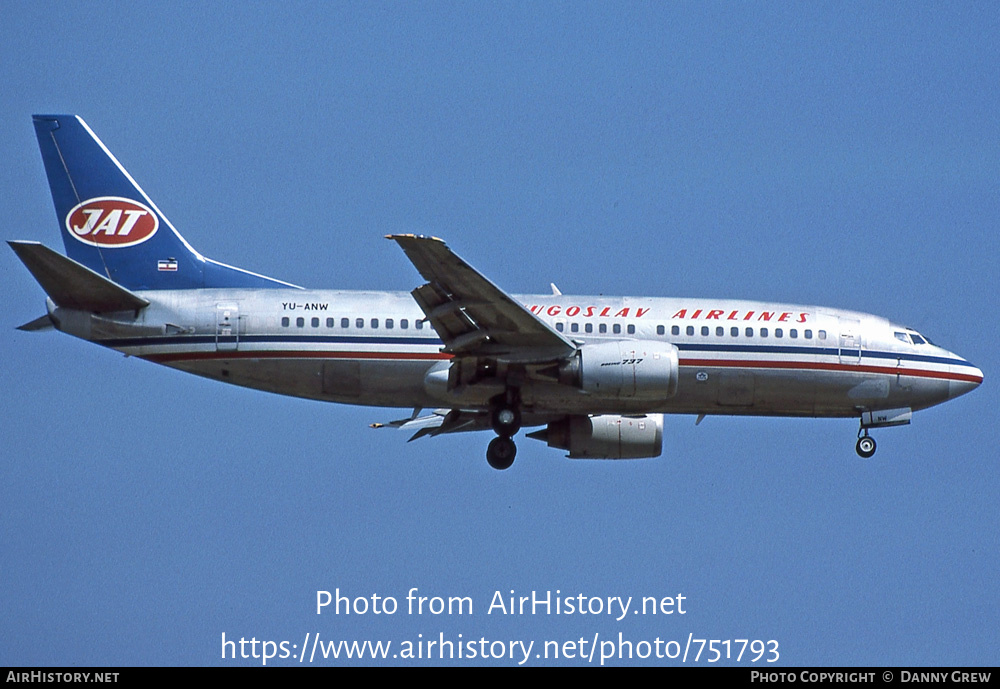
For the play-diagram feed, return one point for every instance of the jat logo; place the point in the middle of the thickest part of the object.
(112, 222)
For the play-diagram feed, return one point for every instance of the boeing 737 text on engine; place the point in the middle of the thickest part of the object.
(597, 374)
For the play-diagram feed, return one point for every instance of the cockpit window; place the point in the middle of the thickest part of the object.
(917, 338)
(913, 336)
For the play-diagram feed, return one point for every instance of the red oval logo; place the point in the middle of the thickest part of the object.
(112, 222)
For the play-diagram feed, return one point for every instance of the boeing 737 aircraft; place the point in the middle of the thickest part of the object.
(596, 373)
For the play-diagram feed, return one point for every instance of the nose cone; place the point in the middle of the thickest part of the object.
(964, 378)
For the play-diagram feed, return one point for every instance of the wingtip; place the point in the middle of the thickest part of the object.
(40, 323)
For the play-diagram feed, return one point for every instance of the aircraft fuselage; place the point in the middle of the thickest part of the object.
(597, 372)
(374, 348)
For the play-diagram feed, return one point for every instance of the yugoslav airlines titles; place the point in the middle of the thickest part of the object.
(683, 314)
(594, 374)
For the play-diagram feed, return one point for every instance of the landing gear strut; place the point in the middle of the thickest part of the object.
(505, 417)
(879, 418)
(866, 444)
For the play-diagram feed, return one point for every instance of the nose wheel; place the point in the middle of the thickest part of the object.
(866, 445)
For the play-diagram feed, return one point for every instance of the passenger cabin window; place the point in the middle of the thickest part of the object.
(793, 333)
(300, 322)
(419, 324)
(574, 327)
(616, 328)
(315, 322)
(603, 328)
(404, 323)
(631, 329)
(690, 330)
(720, 331)
(675, 330)
(374, 323)
(749, 332)
(559, 326)
(284, 322)
(822, 334)
(809, 334)
(388, 324)
(329, 322)
(660, 330)
(704, 331)
(345, 322)
(589, 327)
(734, 331)
(359, 323)
(763, 332)
(778, 332)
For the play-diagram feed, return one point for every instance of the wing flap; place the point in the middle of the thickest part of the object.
(440, 422)
(472, 315)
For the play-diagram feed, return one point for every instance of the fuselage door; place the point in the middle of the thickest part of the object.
(227, 327)
(850, 341)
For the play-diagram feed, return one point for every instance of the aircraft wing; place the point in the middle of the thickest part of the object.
(441, 421)
(473, 316)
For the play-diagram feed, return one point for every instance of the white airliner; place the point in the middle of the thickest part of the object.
(596, 373)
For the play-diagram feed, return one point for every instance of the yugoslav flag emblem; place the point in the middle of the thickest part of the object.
(111, 222)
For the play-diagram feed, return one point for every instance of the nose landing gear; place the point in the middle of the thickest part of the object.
(866, 444)
(879, 418)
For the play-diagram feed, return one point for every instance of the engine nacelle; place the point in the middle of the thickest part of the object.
(628, 369)
(606, 436)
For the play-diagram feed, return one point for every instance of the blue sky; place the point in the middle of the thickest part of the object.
(840, 154)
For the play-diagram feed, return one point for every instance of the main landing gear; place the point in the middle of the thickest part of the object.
(505, 417)
(501, 452)
(866, 444)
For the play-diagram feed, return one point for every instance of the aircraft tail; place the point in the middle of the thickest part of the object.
(72, 285)
(112, 227)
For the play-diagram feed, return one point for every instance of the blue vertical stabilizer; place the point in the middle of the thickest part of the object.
(111, 226)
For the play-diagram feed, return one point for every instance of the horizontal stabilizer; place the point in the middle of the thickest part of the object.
(72, 285)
